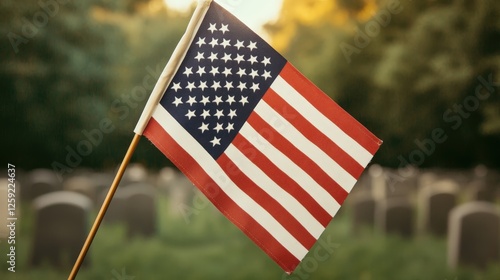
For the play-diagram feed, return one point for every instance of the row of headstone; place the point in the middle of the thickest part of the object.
(480, 183)
(62, 211)
(473, 228)
(87, 182)
(44, 181)
(383, 200)
(40, 182)
(400, 215)
(386, 183)
(61, 220)
(390, 216)
(179, 191)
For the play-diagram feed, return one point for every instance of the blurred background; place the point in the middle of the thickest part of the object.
(424, 76)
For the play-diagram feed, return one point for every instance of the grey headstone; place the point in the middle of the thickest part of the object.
(363, 184)
(393, 183)
(116, 211)
(102, 183)
(481, 191)
(436, 201)
(474, 235)
(396, 216)
(402, 182)
(140, 209)
(178, 188)
(41, 181)
(82, 185)
(166, 176)
(363, 211)
(135, 173)
(427, 178)
(481, 173)
(378, 182)
(60, 228)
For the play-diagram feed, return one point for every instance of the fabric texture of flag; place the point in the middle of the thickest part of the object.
(268, 148)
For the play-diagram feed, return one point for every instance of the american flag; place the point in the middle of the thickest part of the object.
(268, 148)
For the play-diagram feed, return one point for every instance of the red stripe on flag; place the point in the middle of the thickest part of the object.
(283, 180)
(268, 203)
(313, 134)
(189, 166)
(330, 109)
(299, 158)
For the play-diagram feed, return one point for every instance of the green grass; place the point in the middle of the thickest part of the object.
(210, 247)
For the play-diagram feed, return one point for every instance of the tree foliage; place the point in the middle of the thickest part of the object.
(409, 71)
(314, 14)
(68, 67)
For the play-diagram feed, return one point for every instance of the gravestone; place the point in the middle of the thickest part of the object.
(378, 181)
(41, 181)
(135, 173)
(166, 176)
(363, 184)
(427, 178)
(483, 186)
(435, 202)
(102, 183)
(482, 174)
(474, 235)
(481, 191)
(459, 176)
(402, 182)
(116, 211)
(395, 216)
(82, 185)
(166, 179)
(440, 205)
(140, 209)
(60, 228)
(389, 183)
(363, 211)
(183, 194)
(179, 190)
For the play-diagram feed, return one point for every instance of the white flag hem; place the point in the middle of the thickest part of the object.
(173, 64)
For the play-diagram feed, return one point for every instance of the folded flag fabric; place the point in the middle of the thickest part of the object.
(268, 148)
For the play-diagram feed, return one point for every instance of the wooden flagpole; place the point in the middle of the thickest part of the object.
(165, 78)
(104, 207)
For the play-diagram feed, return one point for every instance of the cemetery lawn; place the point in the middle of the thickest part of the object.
(207, 246)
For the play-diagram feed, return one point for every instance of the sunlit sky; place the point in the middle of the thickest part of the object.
(253, 13)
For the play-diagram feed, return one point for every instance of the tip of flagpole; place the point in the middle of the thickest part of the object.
(204, 2)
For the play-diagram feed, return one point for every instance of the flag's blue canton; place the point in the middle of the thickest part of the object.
(227, 70)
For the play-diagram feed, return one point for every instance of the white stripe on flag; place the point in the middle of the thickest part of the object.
(325, 162)
(322, 123)
(297, 210)
(316, 191)
(211, 167)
